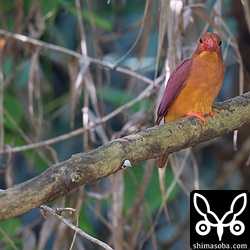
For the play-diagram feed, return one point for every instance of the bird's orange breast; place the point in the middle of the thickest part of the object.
(201, 88)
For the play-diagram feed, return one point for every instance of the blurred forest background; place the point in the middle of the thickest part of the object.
(77, 74)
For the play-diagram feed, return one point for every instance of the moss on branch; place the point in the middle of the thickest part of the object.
(88, 167)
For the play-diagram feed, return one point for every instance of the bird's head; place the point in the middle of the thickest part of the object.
(209, 42)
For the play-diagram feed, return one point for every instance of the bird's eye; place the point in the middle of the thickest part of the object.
(200, 40)
(220, 42)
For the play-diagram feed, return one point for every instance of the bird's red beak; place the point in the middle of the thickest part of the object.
(210, 45)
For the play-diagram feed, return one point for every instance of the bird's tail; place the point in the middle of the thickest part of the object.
(162, 160)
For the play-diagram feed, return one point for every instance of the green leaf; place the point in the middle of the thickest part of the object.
(119, 97)
(56, 103)
(153, 194)
(10, 228)
(22, 76)
(98, 20)
(85, 223)
(40, 163)
(13, 107)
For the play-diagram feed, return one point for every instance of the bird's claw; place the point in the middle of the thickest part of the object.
(211, 113)
(200, 116)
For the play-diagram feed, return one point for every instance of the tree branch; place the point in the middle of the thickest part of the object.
(88, 167)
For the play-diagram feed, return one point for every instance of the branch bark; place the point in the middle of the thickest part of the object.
(84, 168)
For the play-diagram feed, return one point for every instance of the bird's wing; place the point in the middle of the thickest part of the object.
(175, 84)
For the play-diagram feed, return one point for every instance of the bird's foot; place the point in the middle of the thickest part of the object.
(200, 116)
(211, 113)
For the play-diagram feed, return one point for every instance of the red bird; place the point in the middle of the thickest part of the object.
(193, 85)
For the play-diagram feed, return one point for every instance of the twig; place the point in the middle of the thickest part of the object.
(57, 214)
(85, 168)
(81, 27)
(138, 36)
(2, 44)
(147, 92)
(233, 164)
(8, 239)
(245, 5)
(50, 46)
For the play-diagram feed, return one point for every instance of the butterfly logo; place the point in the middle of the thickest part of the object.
(203, 227)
